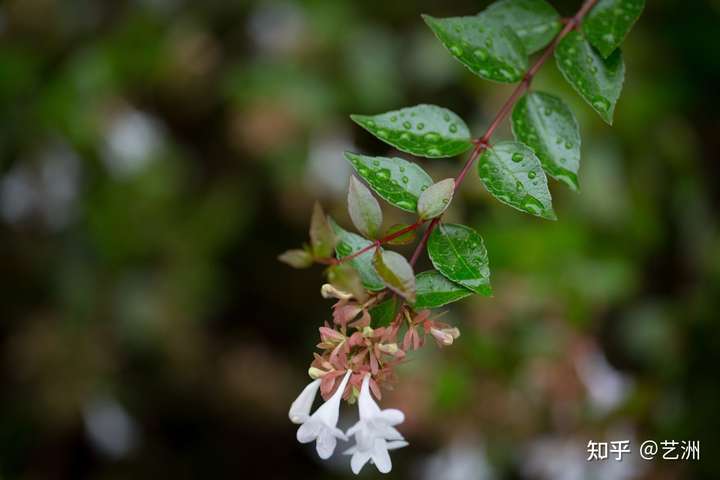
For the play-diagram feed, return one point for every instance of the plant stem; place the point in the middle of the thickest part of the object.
(482, 143)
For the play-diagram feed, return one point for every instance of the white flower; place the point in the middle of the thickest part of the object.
(375, 433)
(300, 408)
(321, 425)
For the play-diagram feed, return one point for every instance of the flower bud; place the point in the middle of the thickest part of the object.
(445, 336)
(315, 372)
(329, 291)
(389, 348)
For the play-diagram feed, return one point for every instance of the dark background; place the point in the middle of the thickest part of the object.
(157, 155)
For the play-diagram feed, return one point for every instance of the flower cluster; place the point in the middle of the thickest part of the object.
(357, 360)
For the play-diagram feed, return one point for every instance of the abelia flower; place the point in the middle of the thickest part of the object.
(321, 426)
(375, 433)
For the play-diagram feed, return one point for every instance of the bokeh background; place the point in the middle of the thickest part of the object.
(157, 155)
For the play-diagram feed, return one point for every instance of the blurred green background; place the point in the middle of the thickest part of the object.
(157, 155)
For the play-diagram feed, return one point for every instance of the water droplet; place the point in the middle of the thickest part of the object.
(420, 126)
(532, 174)
(382, 133)
(407, 125)
(563, 160)
(517, 157)
(532, 205)
(433, 152)
(402, 169)
(558, 140)
(568, 62)
(370, 124)
(405, 204)
(519, 186)
(376, 163)
(405, 136)
(423, 188)
(393, 118)
(593, 69)
(405, 179)
(480, 54)
(383, 174)
(363, 171)
(568, 145)
(457, 28)
(548, 112)
(432, 137)
(506, 73)
(484, 73)
(445, 201)
(601, 104)
(489, 43)
(446, 117)
(453, 128)
(456, 50)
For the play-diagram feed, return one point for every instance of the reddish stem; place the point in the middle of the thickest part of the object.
(378, 242)
(483, 142)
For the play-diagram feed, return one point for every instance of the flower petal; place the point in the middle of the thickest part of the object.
(300, 408)
(397, 444)
(325, 444)
(392, 416)
(308, 431)
(358, 461)
(381, 457)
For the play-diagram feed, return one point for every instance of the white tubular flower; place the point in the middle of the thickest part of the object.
(375, 433)
(300, 408)
(321, 426)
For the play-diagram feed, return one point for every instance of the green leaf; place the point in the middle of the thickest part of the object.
(436, 199)
(322, 238)
(545, 123)
(296, 258)
(349, 243)
(458, 253)
(598, 81)
(535, 22)
(396, 272)
(609, 22)
(512, 173)
(488, 48)
(424, 130)
(383, 313)
(364, 210)
(396, 180)
(403, 239)
(434, 290)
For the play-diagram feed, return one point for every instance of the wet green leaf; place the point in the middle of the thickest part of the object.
(535, 22)
(609, 22)
(598, 81)
(383, 313)
(484, 45)
(397, 181)
(436, 199)
(396, 272)
(423, 130)
(403, 239)
(512, 173)
(545, 123)
(349, 243)
(434, 290)
(322, 238)
(364, 210)
(459, 254)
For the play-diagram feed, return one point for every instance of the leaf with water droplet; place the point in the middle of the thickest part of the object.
(349, 243)
(545, 123)
(609, 22)
(600, 88)
(493, 51)
(396, 272)
(501, 174)
(386, 178)
(535, 22)
(433, 290)
(436, 199)
(433, 132)
(364, 210)
(405, 238)
(458, 253)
